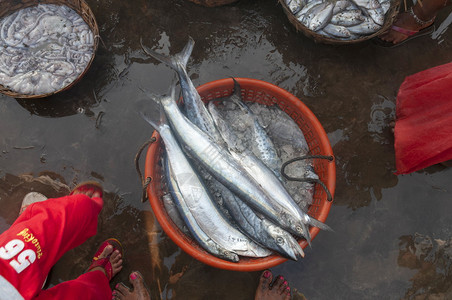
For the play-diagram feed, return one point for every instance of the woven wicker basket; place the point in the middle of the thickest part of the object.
(80, 6)
(389, 19)
(213, 3)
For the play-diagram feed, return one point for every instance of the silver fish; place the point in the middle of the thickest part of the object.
(295, 5)
(268, 181)
(194, 107)
(168, 202)
(307, 8)
(385, 5)
(256, 226)
(219, 162)
(348, 18)
(263, 146)
(366, 27)
(337, 31)
(340, 6)
(322, 15)
(199, 203)
(373, 9)
(200, 236)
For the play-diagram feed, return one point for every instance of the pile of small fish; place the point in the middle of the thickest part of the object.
(341, 19)
(229, 196)
(44, 48)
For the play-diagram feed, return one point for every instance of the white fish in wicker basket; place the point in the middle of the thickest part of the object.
(335, 18)
(45, 48)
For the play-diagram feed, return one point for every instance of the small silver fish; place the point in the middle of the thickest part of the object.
(348, 18)
(322, 15)
(337, 31)
(365, 28)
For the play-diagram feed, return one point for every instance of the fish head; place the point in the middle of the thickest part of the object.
(283, 242)
(228, 255)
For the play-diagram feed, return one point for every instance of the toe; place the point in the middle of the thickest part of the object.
(115, 257)
(138, 285)
(265, 280)
(282, 287)
(278, 281)
(136, 280)
(287, 293)
(278, 285)
(107, 251)
(122, 290)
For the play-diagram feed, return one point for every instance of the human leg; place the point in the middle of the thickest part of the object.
(42, 234)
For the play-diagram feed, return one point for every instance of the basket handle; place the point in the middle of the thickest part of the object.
(310, 180)
(144, 181)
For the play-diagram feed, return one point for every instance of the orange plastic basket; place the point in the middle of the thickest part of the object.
(268, 94)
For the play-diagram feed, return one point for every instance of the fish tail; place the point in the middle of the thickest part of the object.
(317, 223)
(185, 54)
(176, 61)
(156, 124)
(162, 116)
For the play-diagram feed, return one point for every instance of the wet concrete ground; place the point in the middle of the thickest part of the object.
(92, 131)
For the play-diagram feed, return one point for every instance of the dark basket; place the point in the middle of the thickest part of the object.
(391, 14)
(80, 6)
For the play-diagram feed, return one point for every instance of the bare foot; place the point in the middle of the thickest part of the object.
(406, 21)
(139, 289)
(115, 261)
(279, 290)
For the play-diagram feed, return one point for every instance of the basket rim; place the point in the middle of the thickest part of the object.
(92, 24)
(389, 19)
(174, 233)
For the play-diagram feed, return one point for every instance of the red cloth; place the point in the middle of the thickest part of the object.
(46, 230)
(423, 129)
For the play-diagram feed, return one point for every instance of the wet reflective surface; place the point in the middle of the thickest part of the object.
(93, 131)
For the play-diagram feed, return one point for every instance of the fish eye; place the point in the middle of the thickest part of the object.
(299, 229)
(279, 240)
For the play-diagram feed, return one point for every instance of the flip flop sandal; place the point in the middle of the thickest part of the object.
(411, 34)
(87, 186)
(31, 198)
(105, 262)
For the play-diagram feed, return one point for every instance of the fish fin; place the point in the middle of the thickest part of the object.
(318, 224)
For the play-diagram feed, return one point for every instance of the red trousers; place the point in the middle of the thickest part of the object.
(38, 239)
(423, 127)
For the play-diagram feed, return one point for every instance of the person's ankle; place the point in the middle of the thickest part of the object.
(424, 17)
